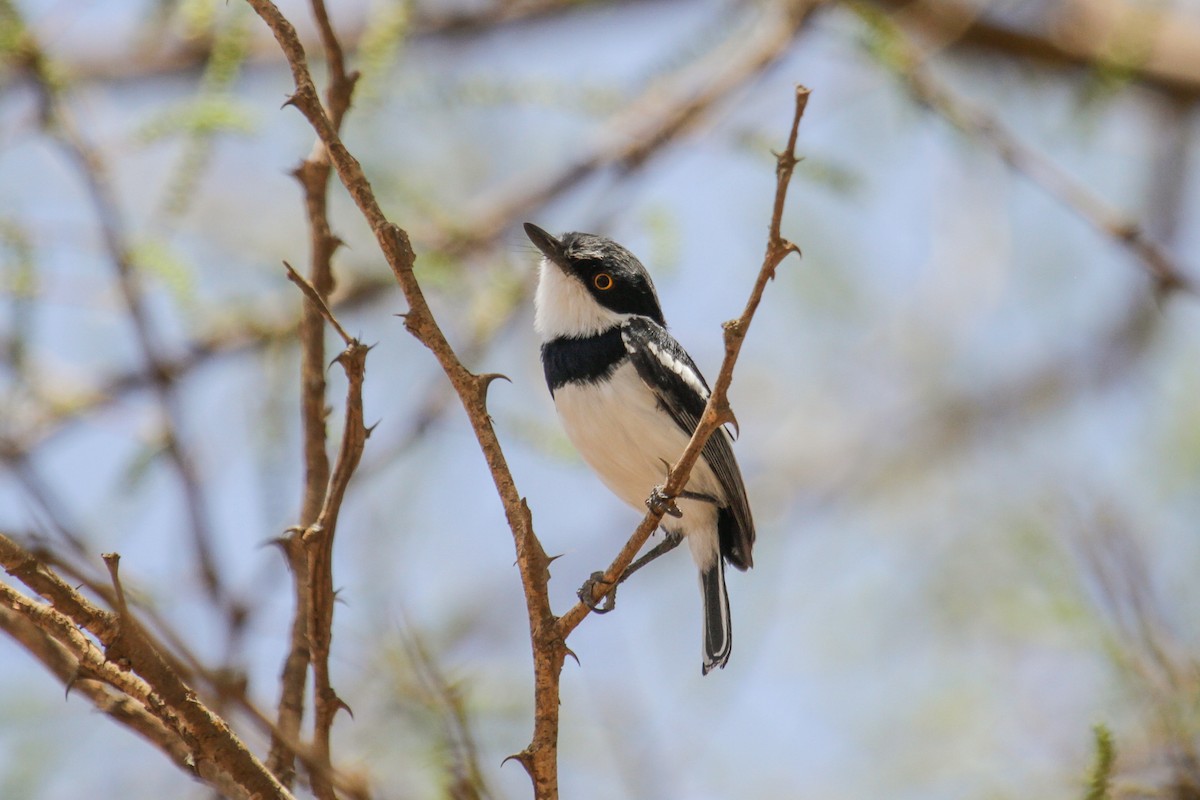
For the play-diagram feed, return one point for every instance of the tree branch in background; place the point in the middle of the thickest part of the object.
(909, 63)
(627, 141)
(313, 176)
(1081, 33)
(445, 699)
(317, 542)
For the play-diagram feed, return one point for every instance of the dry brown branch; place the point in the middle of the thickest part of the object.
(909, 63)
(310, 549)
(318, 541)
(125, 710)
(717, 411)
(130, 662)
(213, 742)
(313, 176)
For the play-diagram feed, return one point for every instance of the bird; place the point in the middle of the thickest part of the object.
(629, 398)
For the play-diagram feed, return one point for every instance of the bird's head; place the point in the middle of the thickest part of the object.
(588, 284)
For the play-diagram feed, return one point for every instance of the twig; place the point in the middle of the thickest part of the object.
(313, 175)
(213, 741)
(446, 701)
(318, 540)
(151, 679)
(312, 628)
(717, 411)
(318, 302)
(909, 64)
(62, 662)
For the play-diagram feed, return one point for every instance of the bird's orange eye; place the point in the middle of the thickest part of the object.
(603, 281)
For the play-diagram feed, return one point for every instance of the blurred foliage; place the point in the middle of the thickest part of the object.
(664, 253)
(157, 258)
(213, 109)
(1099, 785)
(383, 38)
(201, 117)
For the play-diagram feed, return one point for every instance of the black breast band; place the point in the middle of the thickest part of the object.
(586, 360)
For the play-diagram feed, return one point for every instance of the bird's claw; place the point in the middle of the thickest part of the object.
(660, 503)
(609, 597)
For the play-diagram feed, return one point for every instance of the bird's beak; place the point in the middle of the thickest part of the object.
(551, 248)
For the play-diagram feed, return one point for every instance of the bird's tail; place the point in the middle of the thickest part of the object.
(718, 633)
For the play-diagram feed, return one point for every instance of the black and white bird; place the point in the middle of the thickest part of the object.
(629, 397)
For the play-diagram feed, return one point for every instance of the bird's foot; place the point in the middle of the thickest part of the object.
(586, 593)
(661, 503)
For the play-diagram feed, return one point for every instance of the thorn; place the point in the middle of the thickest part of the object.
(488, 377)
(342, 704)
(552, 559)
(279, 541)
(371, 429)
(523, 758)
(291, 101)
(484, 382)
(568, 651)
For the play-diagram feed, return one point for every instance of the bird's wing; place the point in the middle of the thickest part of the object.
(665, 367)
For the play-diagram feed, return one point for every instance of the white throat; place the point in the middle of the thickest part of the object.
(563, 307)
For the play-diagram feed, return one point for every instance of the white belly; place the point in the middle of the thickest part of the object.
(623, 435)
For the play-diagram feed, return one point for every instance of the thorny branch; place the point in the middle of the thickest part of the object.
(127, 659)
(313, 176)
(472, 389)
